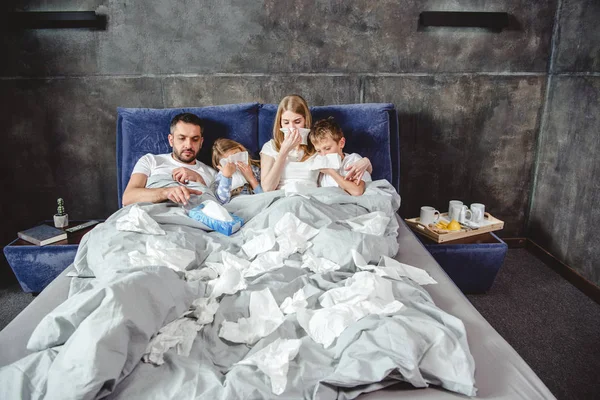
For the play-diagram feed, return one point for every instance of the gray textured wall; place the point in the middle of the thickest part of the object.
(470, 101)
(565, 212)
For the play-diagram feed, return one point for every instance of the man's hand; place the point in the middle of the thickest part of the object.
(185, 175)
(246, 170)
(227, 170)
(180, 194)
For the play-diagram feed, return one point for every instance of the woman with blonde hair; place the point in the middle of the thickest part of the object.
(283, 158)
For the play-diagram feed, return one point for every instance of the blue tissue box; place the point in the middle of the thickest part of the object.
(227, 228)
(472, 263)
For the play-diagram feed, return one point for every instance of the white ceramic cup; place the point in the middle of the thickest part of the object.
(478, 211)
(453, 203)
(429, 215)
(461, 213)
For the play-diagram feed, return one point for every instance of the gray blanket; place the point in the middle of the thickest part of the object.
(131, 284)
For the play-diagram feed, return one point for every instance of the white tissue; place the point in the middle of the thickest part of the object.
(231, 281)
(265, 262)
(259, 244)
(318, 265)
(373, 223)
(204, 310)
(265, 317)
(231, 261)
(361, 286)
(290, 224)
(274, 361)
(291, 304)
(237, 180)
(202, 274)
(216, 211)
(395, 269)
(163, 252)
(179, 334)
(327, 324)
(303, 133)
(234, 158)
(333, 160)
(290, 243)
(138, 220)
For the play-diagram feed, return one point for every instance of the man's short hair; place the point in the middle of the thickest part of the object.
(325, 128)
(188, 118)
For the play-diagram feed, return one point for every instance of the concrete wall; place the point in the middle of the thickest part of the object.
(470, 101)
(565, 211)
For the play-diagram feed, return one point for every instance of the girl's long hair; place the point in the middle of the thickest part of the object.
(296, 104)
(222, 146)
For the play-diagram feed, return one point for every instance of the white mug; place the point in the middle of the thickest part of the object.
(460, 212)
(453, 203)
(429, 215)
(478, 211)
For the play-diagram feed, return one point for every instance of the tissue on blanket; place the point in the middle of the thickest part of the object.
(231, 261)
(231, 281)
(333, 160)
(202, 274)
(326, 324)
(318, 265)
(291, 242)
(138, 220)
(373, 223)
(259, 244)
(274, 361)
(303, 133)
(291, 304)
(265, 262)
(179, 334)
(290, 224)
(361, 286)
(203, 309)
(393, 269)
(265, 317)
(164, 253)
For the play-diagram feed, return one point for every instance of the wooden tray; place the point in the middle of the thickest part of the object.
(489, 224)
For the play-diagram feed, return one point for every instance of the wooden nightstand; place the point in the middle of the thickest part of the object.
(36, 266)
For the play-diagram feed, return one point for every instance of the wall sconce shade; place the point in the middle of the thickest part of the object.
(493, 21)
(15, 21)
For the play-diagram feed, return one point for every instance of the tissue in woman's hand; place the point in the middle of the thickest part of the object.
(303, 133)
(327, 161)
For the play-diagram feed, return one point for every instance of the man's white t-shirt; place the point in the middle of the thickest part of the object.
(295, 171)
(349, 159)
(164, 164)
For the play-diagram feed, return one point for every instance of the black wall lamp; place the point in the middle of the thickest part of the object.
(15, 21)
(493, 21)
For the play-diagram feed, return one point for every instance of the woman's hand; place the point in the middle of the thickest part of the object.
(356, 170)
(227, 170)
(246, 170)
(291, 141)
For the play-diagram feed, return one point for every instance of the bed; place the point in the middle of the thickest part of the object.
(273, 329)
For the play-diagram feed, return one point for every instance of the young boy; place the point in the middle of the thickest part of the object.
(327, 138)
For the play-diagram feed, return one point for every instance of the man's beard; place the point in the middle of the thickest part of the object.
(183, 158)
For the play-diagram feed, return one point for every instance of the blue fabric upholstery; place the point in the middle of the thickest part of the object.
(144, 130)
(371, 130)
(472, 267)
(36, 266)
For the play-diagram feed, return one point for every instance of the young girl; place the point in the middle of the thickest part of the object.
(222, 185)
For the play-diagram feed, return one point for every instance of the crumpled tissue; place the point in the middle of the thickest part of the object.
(138, 220)
(318, 265)
(393, 269)
(237, 179)
(231, 281)
(303, 133)
(179, 334)
(203, 309)
(373, 223)
(361, 286)
(333, 160)
(202, 274)
(291, 304)
(274, 360)
(265, 317)
(327, 324)
(259, 244)
(163, 252)
(265, 262)
(289, 223)
(291, 242)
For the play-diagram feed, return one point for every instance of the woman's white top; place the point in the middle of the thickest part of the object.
(294, 171)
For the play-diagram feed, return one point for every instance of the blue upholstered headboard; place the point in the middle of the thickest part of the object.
(370, 129)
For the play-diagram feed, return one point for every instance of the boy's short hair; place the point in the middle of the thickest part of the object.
(325, 128)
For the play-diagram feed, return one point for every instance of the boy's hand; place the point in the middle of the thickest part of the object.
(227, 170)
(328, 171)
(356, 170)
(185, 175)
(246, 170)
